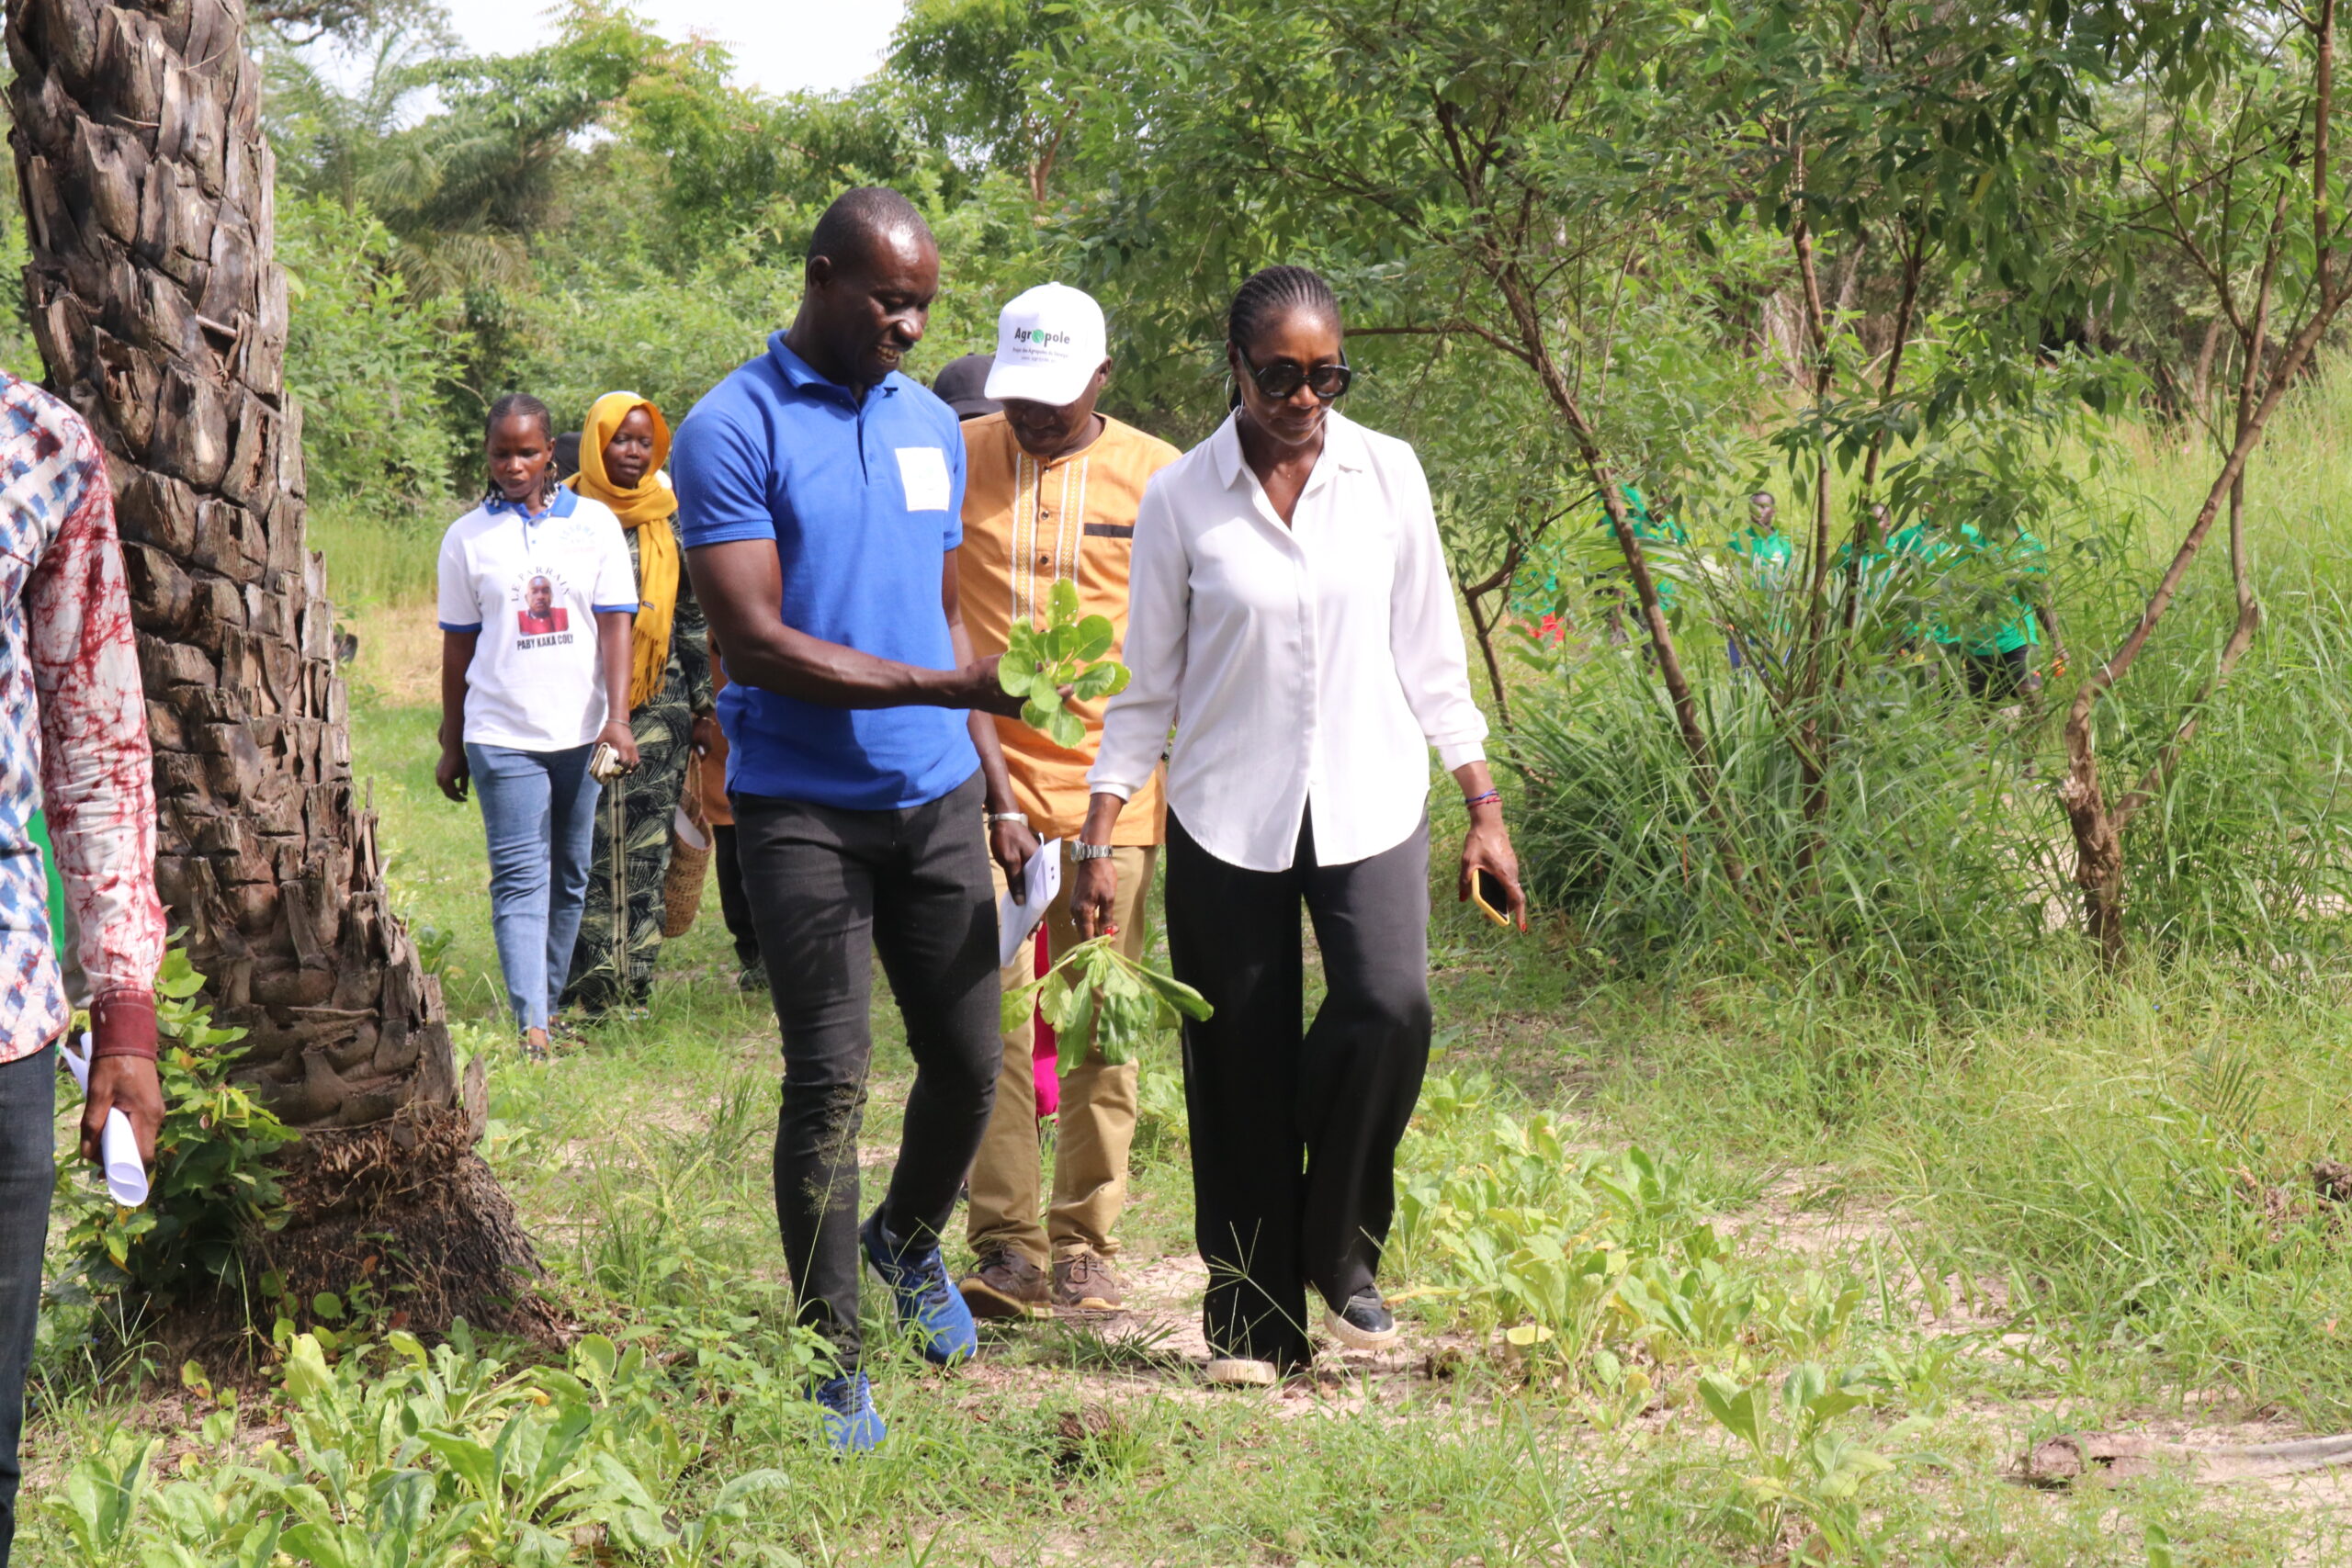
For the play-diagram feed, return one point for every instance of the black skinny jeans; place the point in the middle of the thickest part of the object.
(828, 889)
(1295, 1130)
(734, 904)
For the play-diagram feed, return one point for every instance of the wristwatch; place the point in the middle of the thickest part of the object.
(1081, 850)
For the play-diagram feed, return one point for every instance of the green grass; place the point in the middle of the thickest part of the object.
(2065, 1153)
(2069, 1201)
(380, 551)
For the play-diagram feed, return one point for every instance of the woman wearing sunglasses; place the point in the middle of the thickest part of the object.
(1290, 618)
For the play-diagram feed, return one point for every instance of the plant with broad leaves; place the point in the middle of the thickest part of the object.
(1067, 652)
(394, 1455)
(214, 1180)
(1797, 1469)
(1096, 989)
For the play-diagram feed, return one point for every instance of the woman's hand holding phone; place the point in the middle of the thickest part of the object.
(1490, 867)
(616, 752)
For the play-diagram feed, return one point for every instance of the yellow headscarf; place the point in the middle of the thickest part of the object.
(649, 509)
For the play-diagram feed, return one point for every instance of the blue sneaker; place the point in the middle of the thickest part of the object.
(852, 1424)
(927, 1301)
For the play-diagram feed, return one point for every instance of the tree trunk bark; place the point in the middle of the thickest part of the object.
(2200, 387)
(161, 314)
(2098, 854)
(1814, 737)
(1484, 623)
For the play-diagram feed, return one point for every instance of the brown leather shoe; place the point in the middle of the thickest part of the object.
(1007, 1285)
(1084, 1282)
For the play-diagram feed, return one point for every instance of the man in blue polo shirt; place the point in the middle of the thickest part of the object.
(820, 498)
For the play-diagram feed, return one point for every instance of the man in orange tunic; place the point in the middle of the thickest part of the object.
(1050, 494)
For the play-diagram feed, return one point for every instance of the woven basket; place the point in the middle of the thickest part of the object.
(682, 887)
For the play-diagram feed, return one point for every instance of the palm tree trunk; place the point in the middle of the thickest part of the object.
(161, 314)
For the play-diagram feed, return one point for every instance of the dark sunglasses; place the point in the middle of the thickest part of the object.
(1284, 376)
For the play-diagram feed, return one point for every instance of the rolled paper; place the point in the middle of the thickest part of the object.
(126, 1173)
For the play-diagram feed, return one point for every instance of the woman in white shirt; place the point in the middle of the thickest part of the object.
(1290, 618)
(536, 602)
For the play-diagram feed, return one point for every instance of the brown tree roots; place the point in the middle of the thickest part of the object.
(406, 1212)
(401, 1221)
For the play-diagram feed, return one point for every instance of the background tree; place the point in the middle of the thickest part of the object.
(2233, 150)
(1512, 180)
(993, 80)
(161, 311)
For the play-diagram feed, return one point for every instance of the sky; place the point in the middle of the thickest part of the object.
(781, 45)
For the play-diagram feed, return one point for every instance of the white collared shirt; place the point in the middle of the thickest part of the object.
(1314, 663)
(532, 588)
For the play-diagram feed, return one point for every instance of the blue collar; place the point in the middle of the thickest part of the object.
(565, 501)
(803, 376)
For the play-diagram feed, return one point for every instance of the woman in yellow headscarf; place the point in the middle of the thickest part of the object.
(622, 448)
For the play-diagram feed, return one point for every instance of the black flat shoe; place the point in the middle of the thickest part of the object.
(1364, 1324)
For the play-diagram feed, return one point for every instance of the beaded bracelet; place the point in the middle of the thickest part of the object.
(1493, 795)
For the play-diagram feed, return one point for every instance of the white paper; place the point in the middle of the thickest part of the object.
(922, 473)
(683, 825)
(118, 1146)
(1041, 881)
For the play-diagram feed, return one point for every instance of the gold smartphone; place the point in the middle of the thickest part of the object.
(1486, 891)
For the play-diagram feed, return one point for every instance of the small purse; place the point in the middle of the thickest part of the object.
(689, 858)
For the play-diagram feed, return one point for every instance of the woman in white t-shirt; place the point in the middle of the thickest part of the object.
(536, 601)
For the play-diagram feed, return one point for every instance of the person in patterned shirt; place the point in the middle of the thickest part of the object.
(74, 744)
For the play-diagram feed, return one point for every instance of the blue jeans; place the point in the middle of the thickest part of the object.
(28, 1113)
(539, 810)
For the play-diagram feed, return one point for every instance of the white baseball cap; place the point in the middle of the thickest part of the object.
(1049, 343)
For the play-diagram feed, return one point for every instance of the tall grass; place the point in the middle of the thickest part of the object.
(1937, 863)
(379, 551)
(1942, 867)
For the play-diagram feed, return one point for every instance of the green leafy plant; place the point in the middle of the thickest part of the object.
(1798, 1466)
(1094, 990)
(99, 1500)
(401, 1456)
(1163, 1131)
(1065, 652)
(212, 1176)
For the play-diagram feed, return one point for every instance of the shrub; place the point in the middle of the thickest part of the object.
(1939, 859)
(212, 1177)
(367, 361)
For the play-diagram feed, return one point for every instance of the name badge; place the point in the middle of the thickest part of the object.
(922, 472)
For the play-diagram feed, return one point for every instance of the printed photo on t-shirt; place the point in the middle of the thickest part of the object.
(540, 621)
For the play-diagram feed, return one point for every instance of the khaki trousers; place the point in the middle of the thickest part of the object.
(1097, 1120)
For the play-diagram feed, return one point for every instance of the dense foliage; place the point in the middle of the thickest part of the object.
(1938, 279)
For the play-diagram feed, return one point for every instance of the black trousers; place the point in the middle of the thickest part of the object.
(28, 1120)
(2000, 677)
(1294, 1128)
(734, 904)
(830, 889)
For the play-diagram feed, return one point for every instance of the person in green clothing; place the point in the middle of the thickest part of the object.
(1767, 554)
(1997, 655)
(1914, 560)
(623, 445)
(1650, 530)
(67, 954)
